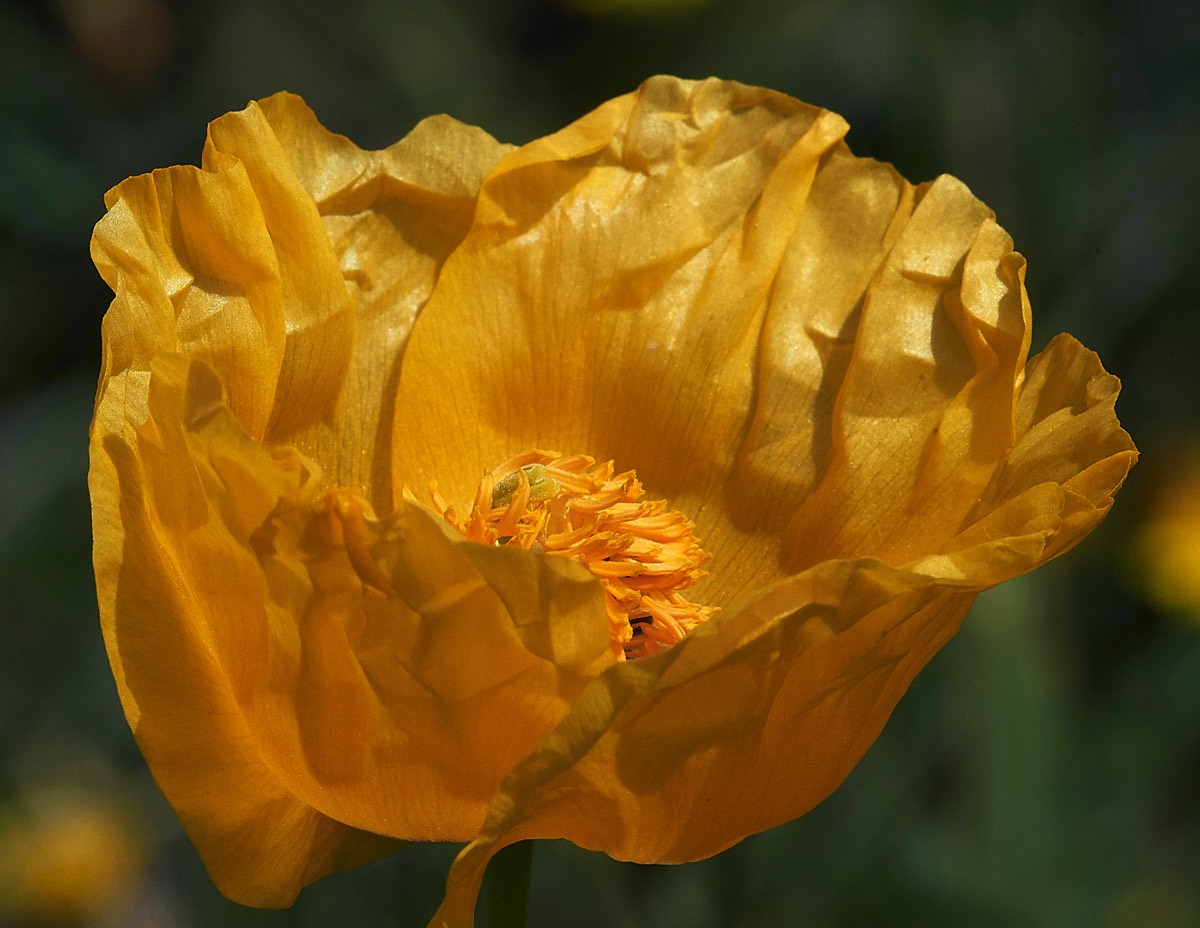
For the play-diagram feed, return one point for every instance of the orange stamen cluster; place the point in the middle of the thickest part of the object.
(642, 553)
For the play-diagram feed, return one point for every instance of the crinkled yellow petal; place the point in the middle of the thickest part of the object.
(738, 729)
(385, 674)
(894, 421)
(761, 712)
(610, 295)
(294, 263)
(260, 843)
(919, 410)
(804, 352)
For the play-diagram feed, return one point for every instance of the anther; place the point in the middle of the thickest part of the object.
(642, 554)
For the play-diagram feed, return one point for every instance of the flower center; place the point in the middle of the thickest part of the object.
(642, 553)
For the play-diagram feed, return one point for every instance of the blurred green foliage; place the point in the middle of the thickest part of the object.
(1044, 771)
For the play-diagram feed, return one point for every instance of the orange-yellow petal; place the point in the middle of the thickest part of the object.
(928, 460)
(245, 624)
(734, 731)
(810, 356)
(294, 263)
(608, 298)
(261, 844)
(762, 711)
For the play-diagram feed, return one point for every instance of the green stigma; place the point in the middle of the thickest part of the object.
(541, 486)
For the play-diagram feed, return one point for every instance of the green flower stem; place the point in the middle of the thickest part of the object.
(508, 886)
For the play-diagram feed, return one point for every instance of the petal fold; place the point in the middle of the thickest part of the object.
(294, 263)
(260, 843)
(394, 710)
(749, 723)
(609, 294)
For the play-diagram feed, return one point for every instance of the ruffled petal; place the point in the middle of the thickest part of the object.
(1070, 456)
(678, 757)
(925, 408)
(807, 354)
(385, 674)
(392, 217)
(609, 296)
(294, 263)
(260, 843)
(853, 215)
(193, 269)
(761, 713)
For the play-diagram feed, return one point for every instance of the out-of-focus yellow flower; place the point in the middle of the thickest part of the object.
(67, 855)
(822, 368)
(1166, 540)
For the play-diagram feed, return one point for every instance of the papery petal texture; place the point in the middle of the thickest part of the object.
(848, 415)
(822, 365)
(249, 594)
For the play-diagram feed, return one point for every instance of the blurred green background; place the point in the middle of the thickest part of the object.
(1044, 770)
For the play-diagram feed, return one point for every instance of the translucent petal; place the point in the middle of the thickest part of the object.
(338, 697)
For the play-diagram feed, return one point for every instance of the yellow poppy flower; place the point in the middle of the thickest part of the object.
(364, 570)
